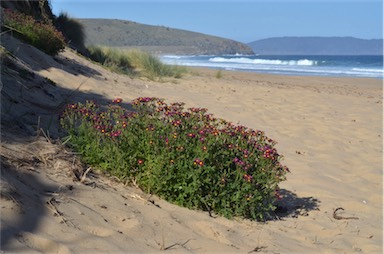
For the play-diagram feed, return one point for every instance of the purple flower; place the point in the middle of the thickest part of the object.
(117, 101)
(115, 133)
(198, 162)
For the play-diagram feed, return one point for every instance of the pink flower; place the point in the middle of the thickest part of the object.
(248, 178)
(198, 162)
(117, 101)
(116, 133)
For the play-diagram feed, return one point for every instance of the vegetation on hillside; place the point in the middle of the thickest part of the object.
(157, 39)
(43, 36)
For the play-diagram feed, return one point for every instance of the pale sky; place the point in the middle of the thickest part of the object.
(242, 20)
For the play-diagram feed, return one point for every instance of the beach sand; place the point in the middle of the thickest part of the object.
(328, 129)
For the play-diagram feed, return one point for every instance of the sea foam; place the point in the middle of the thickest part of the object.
(353, 66)
(368, 70)
(244, 60)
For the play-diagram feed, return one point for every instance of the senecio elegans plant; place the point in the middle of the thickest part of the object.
(43, 36)
(187, 157)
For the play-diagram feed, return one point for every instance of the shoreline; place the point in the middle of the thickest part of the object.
(273, 76)
(289, 75)
(291, 65)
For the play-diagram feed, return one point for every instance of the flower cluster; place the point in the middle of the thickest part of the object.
(185, 156)
(198, 162)
(143, 100)
(43, 36)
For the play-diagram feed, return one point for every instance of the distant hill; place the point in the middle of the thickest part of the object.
(317, 46)
(157, 39)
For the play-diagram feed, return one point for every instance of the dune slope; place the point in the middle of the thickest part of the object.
(329, 129)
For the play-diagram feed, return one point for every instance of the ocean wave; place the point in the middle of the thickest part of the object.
(239, 55)
(174, 56)
(369, 70)
(244, 60)
(296, 66)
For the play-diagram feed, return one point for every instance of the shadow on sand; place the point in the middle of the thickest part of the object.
(292, 206)
(30, 103)
(29, 196)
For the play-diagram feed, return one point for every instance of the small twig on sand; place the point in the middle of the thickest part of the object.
(257, 249)
(134, 183)
(45, 135)
(135, 196)
(66, 140)
(82, 179)
(176, 244)
(338, 217)
(89, 208)
(56, 212)
(38, 127)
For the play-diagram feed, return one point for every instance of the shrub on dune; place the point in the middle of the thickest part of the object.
(187, 157)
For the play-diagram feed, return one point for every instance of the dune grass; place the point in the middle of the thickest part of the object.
(219, 74)
(134, 63)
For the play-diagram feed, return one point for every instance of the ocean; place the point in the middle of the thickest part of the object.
(336, 66)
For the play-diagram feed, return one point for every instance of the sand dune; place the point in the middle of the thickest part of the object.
(329, 130)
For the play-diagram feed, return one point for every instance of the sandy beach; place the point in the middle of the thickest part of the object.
(329, 130)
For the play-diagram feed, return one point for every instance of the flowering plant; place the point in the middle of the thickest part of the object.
(187, 157)
(43, 36)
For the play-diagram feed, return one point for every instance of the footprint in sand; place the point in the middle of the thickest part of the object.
(42, 244)
(97, 231)
(125, 224)
(207, 230)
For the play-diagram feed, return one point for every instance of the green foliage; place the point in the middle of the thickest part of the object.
(43, 36)
(134, 61)
(187, 157)
(152, 67)
(72, 29)
(113, 59)
(219, 74)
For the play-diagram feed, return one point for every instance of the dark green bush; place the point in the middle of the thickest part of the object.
(186, 157)
(72, 30)
(41, 35)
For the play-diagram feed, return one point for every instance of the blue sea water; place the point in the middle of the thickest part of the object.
(350, 66)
